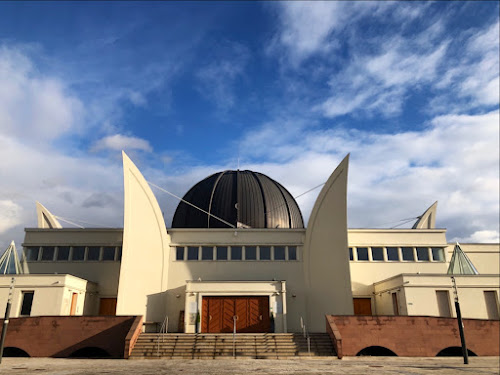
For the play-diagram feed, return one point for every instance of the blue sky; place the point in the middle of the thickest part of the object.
(409, 89)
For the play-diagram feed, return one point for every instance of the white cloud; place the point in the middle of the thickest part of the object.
(218, 76)
(395, 176)
(118, 142)
(10, 215)
(33, 106)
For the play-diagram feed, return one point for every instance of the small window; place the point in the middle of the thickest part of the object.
(78, 252)
(437, 254)
(119, 253)
(32, 253)
(377, 253)
(392, 254)
(193, 252)
(423, 253)
(93, 253)
(265, 252)
(362, 253)
(207, 253)
(279, 253)
(250, 253)
(351, 256)
(108, 253)
(236, 253)
(27, 302)
(179, 253)
(221, 252)
(63, 253)
(292, 252)
(407, 253)
(48, 253)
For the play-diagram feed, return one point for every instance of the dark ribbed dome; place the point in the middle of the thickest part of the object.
(242, 198)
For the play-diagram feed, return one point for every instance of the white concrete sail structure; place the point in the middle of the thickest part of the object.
(326, 256)
(428, 218)
(45, 218)
(145, 250)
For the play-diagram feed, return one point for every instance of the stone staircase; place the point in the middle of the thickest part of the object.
(215, 346)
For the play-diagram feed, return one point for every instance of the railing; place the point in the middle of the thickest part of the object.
(163, 330)
(306, 335)
(235, 318)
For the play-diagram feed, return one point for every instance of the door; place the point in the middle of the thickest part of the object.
(362, 306)
(107, 306)
(74, 299)
(252, 314)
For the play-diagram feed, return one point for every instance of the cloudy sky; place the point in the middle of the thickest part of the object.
(409, 89)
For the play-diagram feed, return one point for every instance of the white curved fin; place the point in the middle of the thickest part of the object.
(45, 218)
(428, 219)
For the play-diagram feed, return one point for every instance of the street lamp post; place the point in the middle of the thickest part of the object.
(460, 323)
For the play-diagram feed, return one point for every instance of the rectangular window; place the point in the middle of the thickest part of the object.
(179, 253)
(193, 252)
(351, 256)
(377, 253)
(93, 253)
(292, 252)
(119, 253)
(491, 300)
(63, 253)
(48, 253)
(78, 252)
(443, 300)
(32, 253)
(392, 254)
(265, 252)
(221, 252)
(395, 304)
(250, 253)
(438, 254)
(236, 253)
(108, 253)
(27, 302)
(279, 253)
(423, 253)
(362, 253)
(207, 253)
(407, 253)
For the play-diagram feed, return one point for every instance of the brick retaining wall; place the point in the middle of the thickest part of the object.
(60, 336)
(411, 336)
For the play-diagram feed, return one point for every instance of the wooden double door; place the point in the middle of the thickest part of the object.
(251, 312)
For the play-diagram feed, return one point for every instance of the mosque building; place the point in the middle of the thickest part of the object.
(238, 251)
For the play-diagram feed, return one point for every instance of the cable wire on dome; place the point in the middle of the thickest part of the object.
(192, 205)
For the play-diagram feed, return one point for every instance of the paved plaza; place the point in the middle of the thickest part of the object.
(348, 366)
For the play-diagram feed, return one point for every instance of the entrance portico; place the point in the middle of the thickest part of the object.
(211, 306)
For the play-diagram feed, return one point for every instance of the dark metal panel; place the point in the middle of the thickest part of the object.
(251, 201)
(276, 211)
(295, 215)
(224, 201)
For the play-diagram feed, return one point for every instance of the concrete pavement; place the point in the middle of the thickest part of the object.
(346, 366)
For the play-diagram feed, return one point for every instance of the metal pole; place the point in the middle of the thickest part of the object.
(6, 319)
(234, 336)
(460, 323)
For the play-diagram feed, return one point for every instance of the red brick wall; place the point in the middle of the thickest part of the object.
(60, 336)
(412, 336)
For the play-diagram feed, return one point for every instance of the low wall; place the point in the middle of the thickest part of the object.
(412, 336)
(60, 336)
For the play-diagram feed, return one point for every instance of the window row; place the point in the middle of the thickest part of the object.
(396, 254)
(236, 253)
(73, 253)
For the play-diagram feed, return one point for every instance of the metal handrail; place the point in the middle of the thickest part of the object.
(235, 318)
(305, 333)
(164, 327)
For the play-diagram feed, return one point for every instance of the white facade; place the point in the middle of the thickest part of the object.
(303, 274)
